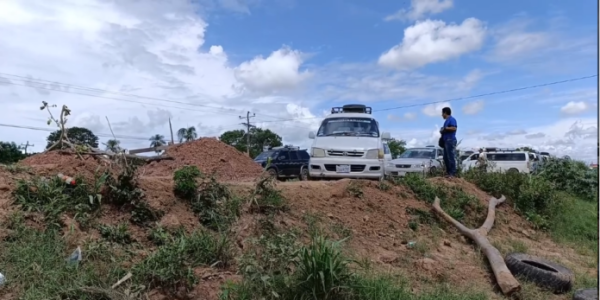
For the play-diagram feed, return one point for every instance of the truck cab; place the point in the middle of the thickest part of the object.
(349, 144)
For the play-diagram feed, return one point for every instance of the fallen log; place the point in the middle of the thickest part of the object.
(130, 156)
(505, 279)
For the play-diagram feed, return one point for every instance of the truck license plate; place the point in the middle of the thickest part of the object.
(342, 168)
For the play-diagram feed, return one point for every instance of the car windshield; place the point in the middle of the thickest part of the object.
(349, 127)
(418, 153)
(265, 155)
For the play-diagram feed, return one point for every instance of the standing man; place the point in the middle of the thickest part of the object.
(449, 137)
(482, 161)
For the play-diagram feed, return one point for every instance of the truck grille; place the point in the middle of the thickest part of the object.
(402, 166)
(345, 153)
(353, 168)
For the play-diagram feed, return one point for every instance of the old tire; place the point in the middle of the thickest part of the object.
(304, 174)
(586, 294)
(544, 273)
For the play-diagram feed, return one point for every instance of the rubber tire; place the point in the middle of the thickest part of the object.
(544, 273)
(432, 171)
(586, 294)
(512, 171)
(272, 172)
(303, 174)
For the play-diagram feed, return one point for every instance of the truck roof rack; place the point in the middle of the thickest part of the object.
(352, 108)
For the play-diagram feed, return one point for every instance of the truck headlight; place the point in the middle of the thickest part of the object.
(418, 166)
(317, 152)
(373, 154)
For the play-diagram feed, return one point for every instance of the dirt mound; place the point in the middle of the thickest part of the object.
(211, 156)
(53, 162)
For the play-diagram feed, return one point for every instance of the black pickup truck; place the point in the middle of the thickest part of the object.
(285, 162)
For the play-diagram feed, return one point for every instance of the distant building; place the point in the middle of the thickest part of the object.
(593, 166)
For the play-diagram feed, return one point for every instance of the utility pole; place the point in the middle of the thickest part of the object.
(24, 147)
(171, 128)
(248, 126)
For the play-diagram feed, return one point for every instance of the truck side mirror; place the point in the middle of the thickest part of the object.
(386, 135)
(311, 135)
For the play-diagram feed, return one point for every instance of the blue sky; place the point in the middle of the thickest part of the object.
(289, 61)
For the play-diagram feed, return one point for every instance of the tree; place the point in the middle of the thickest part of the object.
(77, 135)
(397, 147)
(113, 145)
(258, 139)
(10, 153)
(187, 134)
(157, 140)
(528, 149)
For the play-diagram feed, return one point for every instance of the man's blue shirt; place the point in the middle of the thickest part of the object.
(450, 122)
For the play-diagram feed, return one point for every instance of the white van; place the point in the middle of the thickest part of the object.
(349, 145)
(499, 160)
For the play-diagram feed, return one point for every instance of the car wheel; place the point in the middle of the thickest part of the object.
(304, 174)
(272, 172)
(433, 171)
(512, 171)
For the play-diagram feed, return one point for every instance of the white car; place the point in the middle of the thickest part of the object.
(349, 145)
(502, 160)
(424, 160)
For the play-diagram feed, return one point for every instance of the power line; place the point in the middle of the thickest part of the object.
(90, 89)
(467, 97)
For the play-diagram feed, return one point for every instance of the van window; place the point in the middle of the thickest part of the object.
(386, 149)
(349, 127)
(475, 156)
(507, 156)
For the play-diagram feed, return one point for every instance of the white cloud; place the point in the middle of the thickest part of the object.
(575, 108)
(435, 110)
(420, 8)
(409, 116)
(279, 71)
(576, 138)
(513, 40)
(431, 41)
(473, 107)
(128, 55)
(470, 80)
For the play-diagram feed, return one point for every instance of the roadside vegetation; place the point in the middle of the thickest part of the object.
(276, 263)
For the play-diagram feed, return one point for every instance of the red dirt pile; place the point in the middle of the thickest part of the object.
(210, 156)
(53, 162)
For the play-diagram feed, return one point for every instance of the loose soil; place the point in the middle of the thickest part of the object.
(211, 156)
(375, 220)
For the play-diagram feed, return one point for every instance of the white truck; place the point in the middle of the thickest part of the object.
(349, 145)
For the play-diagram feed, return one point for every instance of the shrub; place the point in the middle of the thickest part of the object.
(185, 181)
(571, 176)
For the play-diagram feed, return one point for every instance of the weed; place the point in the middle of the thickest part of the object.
(16, 168)
(384, 186)
(160, 235)
(34, 263)
(142, 214)
(52, 197)
(117, 234)
(185, 182)
(215, 205)
(354, 189)
(413, 225)
(322, 271)
(266, 198)
(171, 265)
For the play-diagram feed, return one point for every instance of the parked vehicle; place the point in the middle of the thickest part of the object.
(502, 160)
(349, 144)
(425, 160)
(285, 162)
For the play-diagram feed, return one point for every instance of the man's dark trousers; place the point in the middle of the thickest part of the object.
(450, 156)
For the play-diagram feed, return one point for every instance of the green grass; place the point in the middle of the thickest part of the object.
(576, 223)
(34, 262)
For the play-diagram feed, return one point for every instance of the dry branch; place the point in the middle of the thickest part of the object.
(507, 282)
(97, 152)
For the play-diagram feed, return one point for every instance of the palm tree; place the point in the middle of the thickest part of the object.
(157, 140)
(113, 146)
(187, 134)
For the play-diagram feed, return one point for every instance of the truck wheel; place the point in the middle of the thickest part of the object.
(304, 174)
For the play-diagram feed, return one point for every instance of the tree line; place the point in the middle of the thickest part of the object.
(259, 138)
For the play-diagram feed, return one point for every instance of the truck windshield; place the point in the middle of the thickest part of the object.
(265, 155)
(349, 127)
(418, 153)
